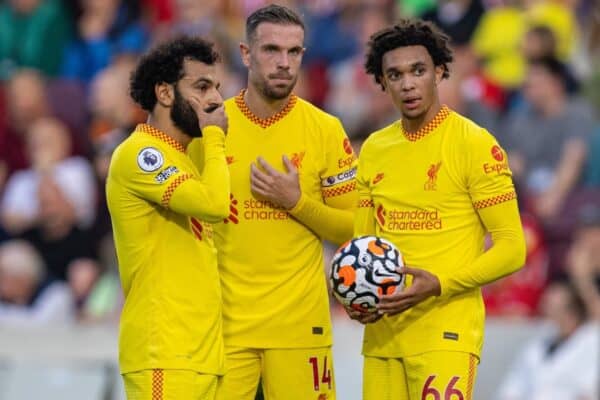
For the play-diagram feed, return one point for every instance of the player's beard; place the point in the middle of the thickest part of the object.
(273, 92)
(184, 117)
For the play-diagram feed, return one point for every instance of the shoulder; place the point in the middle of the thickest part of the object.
(139, 151)
(381, 138)
(315, 112)
(468, 132)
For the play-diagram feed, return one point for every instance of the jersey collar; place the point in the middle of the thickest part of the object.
(429, 127)
(267, 122)
(152, 131)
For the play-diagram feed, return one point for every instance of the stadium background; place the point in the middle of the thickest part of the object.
(64, 68)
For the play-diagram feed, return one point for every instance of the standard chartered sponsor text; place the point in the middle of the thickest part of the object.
(415, 220)
(263, 209)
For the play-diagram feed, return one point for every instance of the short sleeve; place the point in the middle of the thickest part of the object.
(489, 179)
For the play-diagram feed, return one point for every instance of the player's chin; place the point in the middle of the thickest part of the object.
(281, 91)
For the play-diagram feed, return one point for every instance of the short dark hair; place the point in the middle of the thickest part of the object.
(164, 63)
(273, 13)
(408, 33)
(559, 70)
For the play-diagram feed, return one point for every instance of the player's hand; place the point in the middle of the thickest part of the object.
(282, 189)
(213, 114)
(424, 285)
(363, 317)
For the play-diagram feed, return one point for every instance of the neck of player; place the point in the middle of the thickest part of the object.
(261, 106)
(166, 126)
(412, 125)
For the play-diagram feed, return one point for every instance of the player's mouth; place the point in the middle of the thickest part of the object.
(411, 103)
(280, 77)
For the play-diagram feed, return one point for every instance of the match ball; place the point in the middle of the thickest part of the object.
(364, 269)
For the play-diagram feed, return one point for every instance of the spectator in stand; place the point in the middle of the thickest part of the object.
(26, 101)
(592, 168)
(26, 297)
(33, 34)
(583, 260)
(96, 291)
(546, 138)
(560, 365)
(457, 18)
(106, 31)
(539, 42)
(518, 295)
(353, 96)
(470, 93)
(49, 147)
(56, 235)
(110, 105)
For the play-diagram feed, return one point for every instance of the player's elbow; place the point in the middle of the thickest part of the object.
(218, 210)
(518, 253)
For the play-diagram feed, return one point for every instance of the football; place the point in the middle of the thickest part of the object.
(363, 269)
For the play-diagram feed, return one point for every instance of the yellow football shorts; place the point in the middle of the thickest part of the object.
(169, 384)
(287, 374)
(435, 375)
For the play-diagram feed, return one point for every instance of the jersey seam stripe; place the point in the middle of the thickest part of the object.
(492, 201)
(266, 122)
(157, 384)
(166, 198)
(365, 203)
(156, 133)
(430, 127)
(338, 191)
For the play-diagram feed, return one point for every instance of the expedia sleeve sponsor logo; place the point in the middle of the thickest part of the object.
(345, 162)
(495, 168)
(165, 174)
(344, 176)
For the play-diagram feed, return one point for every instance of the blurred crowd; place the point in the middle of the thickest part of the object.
(527, 70)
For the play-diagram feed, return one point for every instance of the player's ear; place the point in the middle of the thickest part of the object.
(439, 74)
(164, 93)
(245, 53)
(383, 83)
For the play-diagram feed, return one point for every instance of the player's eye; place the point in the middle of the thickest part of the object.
(393, 76)
(419, 71)
(294, 52)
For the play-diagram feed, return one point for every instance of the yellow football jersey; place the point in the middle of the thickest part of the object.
(159, 205)
(433, 193)
(271, 265)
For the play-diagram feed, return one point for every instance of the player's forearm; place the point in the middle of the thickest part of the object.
(364, 218)
(506, 255)
(330, 223)
(207, 198)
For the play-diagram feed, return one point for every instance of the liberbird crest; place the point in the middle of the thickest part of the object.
(432, 174)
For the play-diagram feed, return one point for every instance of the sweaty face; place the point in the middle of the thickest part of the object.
(273, 58)
(411, 79)
(199, 80)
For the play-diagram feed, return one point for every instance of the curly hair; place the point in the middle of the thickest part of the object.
(408, 33)
(164, 63)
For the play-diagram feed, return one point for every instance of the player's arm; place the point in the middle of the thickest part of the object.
(205, 197)
(170, 185)
(331, 218)
(490, 186)
(506, 255)
(364, 218)
(494, 199)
